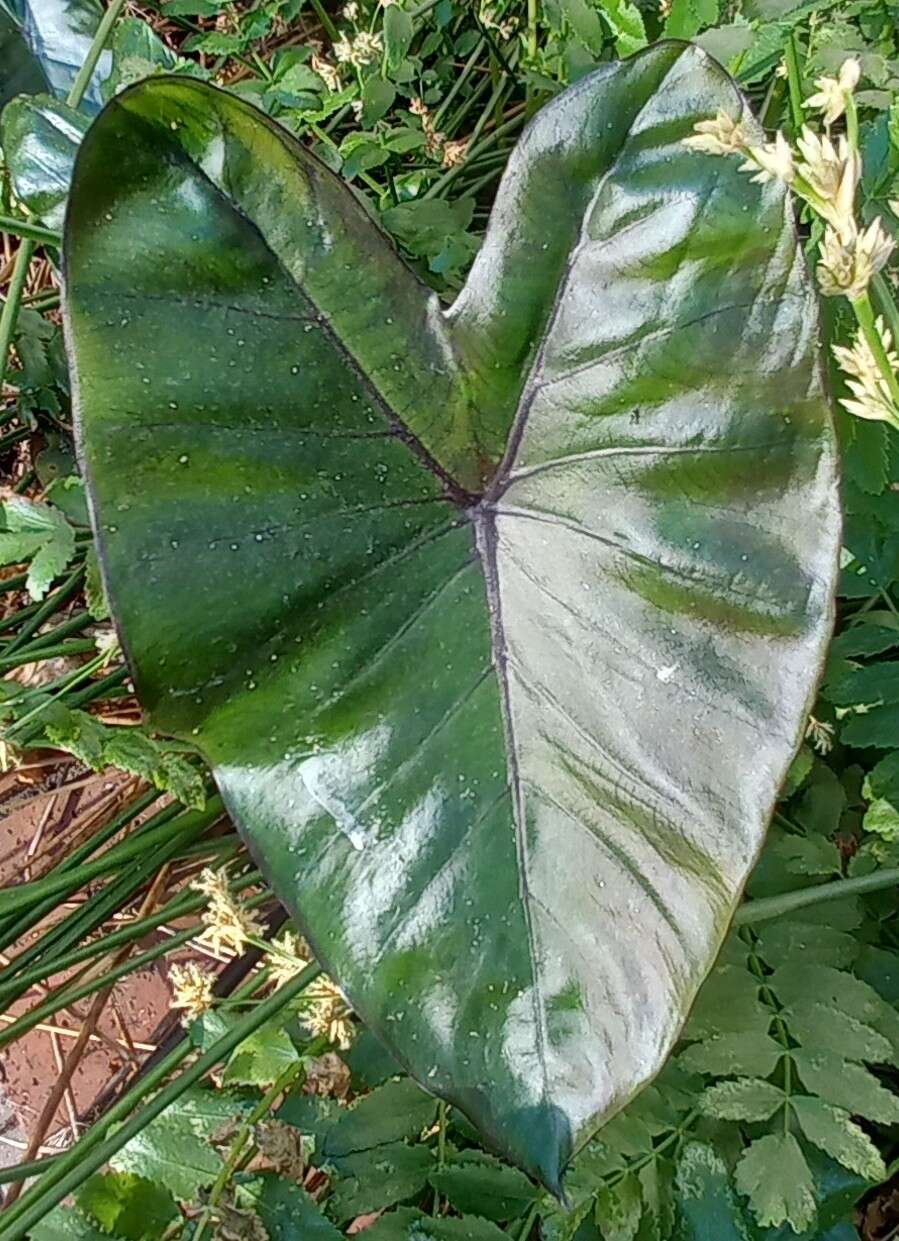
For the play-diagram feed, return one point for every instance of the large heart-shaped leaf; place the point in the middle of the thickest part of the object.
(498, 625)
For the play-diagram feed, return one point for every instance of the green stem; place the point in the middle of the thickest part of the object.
(184, 903)
(240, 1143)
(48, 608)
(794, 79)
(113, 859)
(532, 30)
(327, 25)
(788, 902)
(886, 304)
(33, 232)
(86, 72)
(10, 313)
(851, 123)
(80, 646)
(88, 1155)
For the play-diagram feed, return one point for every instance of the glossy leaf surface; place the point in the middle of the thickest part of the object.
(40, 139)
(43, 44)
(499, 625)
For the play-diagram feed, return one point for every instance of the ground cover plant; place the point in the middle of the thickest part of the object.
(774, 1116)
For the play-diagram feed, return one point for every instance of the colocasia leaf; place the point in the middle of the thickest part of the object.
(45, 43)
(499, 624)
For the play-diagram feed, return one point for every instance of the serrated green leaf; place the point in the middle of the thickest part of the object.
(475, 1183)
(66, 1224)
(50, 560)
(741, 1054)
(846, 1085)
(883, 779)
(175, 1149)
(775, 1177)
(392, 1112)
(882, 818)
(391, 482)
(289, 1214)
(797, 984)
(311, 1114)
(41, 532)
(128, 1205)
(261, 1059)
(407, 1224)
(822, 1027)
(707, 1205)
(833, 1130)
(728, 1002)
(746, 1098)
(785, 940)
(374, 1179)
(619, 1209)
(865, 639)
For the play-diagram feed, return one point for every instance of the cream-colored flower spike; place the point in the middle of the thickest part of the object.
(722, 136)
(771, 162)
(833, 94)
(848, 261)
(192, 987)
(832, 174)
(870, 392)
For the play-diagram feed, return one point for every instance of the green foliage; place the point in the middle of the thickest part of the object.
(39, 534)
(800, 1014)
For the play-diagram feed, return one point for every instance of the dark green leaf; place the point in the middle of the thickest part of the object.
(289, 1214)
(377, 98)
(475, 1183)
(707, 1207)
(397, 1110)
(407, 1224)
(845, 1085)
(379, 1178)
(583, 550)
(821, 1027)
(744, 1054)
(398, 30)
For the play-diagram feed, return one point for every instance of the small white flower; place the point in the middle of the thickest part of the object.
(343, 51)
(847, 261)
(832, 175)
(870, 391)
(192, 988)
(833, 93)
(771, 162)
(350, 11)
(721, 136)
(365, 49)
